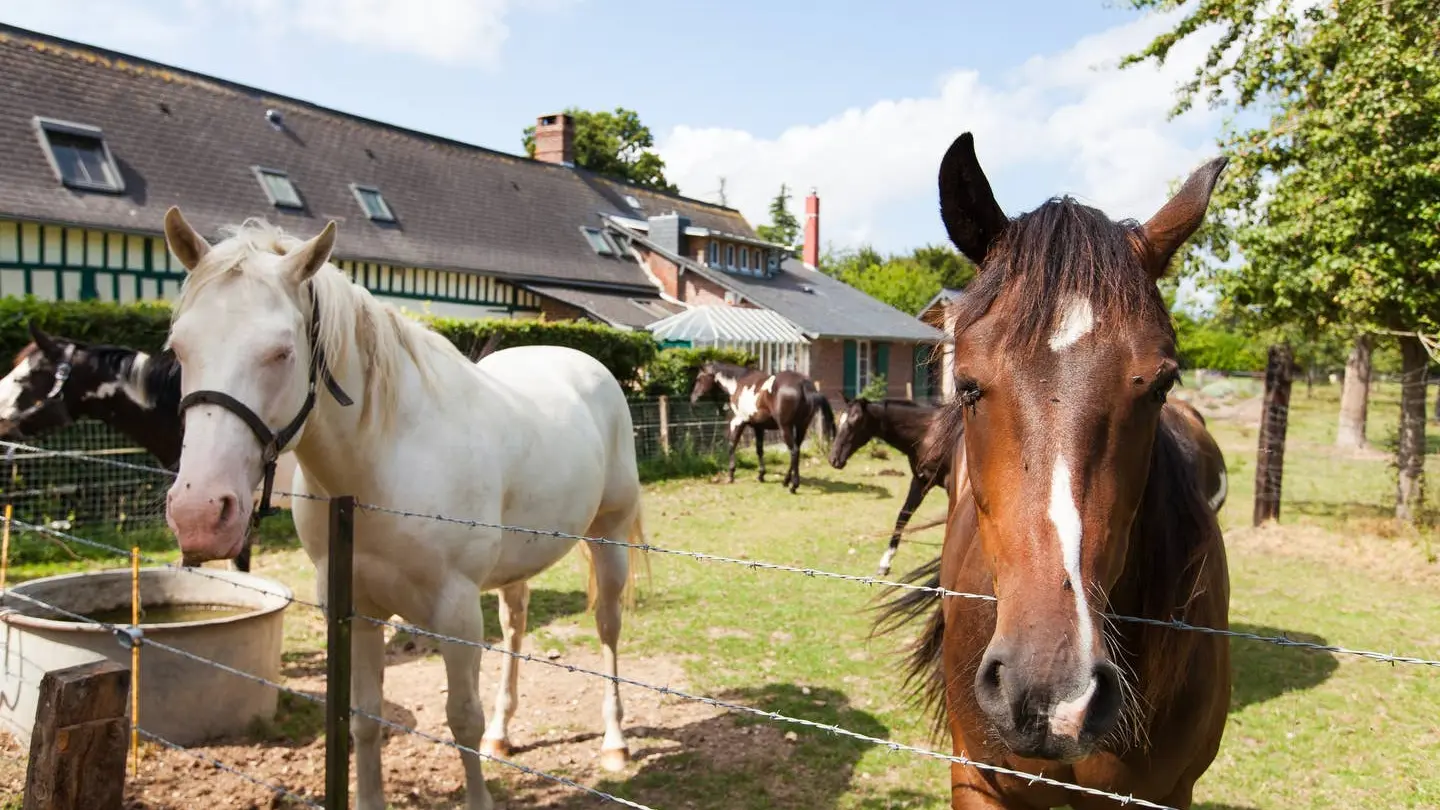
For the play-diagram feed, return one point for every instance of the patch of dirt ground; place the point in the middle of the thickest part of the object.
(556, 729)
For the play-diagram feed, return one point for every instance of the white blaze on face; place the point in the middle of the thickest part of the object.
(1067, 717)
(844, 417)
(12, 389)
(1076, 321)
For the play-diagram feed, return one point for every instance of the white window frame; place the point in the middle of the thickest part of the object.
(713, 252)
(262, 171)
(730, 256)
(598, 241)
(863, 366)
(45, 126)
(360, 191)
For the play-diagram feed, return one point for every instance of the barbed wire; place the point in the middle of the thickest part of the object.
(213, 762)
(1174, 624)
(836, 730)
(25, 526)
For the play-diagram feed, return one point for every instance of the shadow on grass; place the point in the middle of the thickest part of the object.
(1265, 671)
(1213, 806)
(1338, 510)
(830, 485)
(299, 721)
(739, 762)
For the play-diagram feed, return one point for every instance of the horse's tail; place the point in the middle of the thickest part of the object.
(637, 559)
(827, 414)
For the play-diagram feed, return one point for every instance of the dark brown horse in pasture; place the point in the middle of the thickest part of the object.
(786, 401)
(902, 424)
(1076, 501)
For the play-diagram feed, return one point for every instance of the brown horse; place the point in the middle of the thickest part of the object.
(1076, 500)
(784, 401)
(902, 424)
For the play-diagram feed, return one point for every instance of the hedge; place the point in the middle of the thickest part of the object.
(144, 326)
(673, 371)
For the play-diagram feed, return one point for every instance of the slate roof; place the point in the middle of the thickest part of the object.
(820, 305)
(619, 309)
(188, 139)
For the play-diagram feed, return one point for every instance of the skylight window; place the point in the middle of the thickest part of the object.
(631, 201)
(373, 203)
(79, 156)
(278, 188)
(598, 242)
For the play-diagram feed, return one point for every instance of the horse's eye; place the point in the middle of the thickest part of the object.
(968, 391)
(279, 355)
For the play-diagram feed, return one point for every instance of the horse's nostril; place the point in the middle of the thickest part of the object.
(992, 674)
(227, 509)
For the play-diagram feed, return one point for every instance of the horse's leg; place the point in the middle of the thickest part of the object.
(735, 433)
(795, 435)
(459, 617)
(367, 681)
(514, 604)
(919, 486)
(760, 449)
(611, 565)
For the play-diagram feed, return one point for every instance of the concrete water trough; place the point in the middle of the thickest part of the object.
(232, 618)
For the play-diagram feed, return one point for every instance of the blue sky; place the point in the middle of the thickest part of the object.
(856, 99)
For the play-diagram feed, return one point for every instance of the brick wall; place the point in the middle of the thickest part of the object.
(560, 311)
(665, 271)
(827, 368)
(699, 291)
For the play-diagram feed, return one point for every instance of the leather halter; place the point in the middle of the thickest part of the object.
(273, 443)
(62, 374)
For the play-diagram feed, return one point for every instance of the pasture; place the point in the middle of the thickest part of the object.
(1306, 729)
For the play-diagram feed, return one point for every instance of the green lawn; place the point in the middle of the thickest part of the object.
(1306, 730)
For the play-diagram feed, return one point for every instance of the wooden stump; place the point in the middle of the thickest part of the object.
(1274, 421)
(77, 750)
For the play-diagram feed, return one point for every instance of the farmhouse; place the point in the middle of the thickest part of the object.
(95, 146)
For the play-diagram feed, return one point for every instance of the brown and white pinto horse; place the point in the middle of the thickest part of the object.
(784, 401)
(1076, 498)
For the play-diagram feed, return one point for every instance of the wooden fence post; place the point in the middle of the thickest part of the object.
(910, 391)
(339, 608)
(77, 750)
(1274, 420)
(664, 424)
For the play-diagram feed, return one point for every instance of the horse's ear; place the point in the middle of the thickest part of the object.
(184, 241)
(1179, 218)
(43, 341)
(967, 206)
(306, 260)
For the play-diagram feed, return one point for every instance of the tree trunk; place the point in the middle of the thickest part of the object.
(1355, 396)
(1410, 454)
(1274, 423)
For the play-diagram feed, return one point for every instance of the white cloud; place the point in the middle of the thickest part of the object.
(1072, 118)
(448, 31)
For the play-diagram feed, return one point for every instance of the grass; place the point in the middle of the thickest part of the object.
(1306, 729)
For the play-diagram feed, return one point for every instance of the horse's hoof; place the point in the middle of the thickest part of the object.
(882, 572)
(495, 748)
(614, 759)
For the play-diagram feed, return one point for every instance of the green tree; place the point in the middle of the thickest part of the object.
(783, 227)
(905, 281)
(616, 144)
(1334, 202)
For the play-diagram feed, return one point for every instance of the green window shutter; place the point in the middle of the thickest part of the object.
(882, 362)
(921, 375)
(852, 368)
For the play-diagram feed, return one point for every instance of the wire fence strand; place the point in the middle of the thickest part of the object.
(215, 763)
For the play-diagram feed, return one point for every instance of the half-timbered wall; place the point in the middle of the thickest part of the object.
(56, 262)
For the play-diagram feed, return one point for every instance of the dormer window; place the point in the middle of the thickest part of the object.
(598, 242)
(730, 256)
(79, 156)
(373, 203)
(774, 262)
(714, 254)
(278, 188)
(755, 260)
(744, 258)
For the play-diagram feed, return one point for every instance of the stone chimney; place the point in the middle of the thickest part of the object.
(555, 139)
(811, 254)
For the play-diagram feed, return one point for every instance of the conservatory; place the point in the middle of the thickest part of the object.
(776, 342)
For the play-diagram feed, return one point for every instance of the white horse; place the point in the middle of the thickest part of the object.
(537, 437)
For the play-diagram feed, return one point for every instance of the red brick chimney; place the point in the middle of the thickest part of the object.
(811, 253)
(555, 139)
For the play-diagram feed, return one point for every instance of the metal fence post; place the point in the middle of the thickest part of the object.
(339, 607)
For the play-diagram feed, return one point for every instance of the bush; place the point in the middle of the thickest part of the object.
(140, 326)
(1208, 344)
(875, 390)
(145, 325)
(673, 371)
(624, 353)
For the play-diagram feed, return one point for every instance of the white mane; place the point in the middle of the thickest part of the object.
(351, 319)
